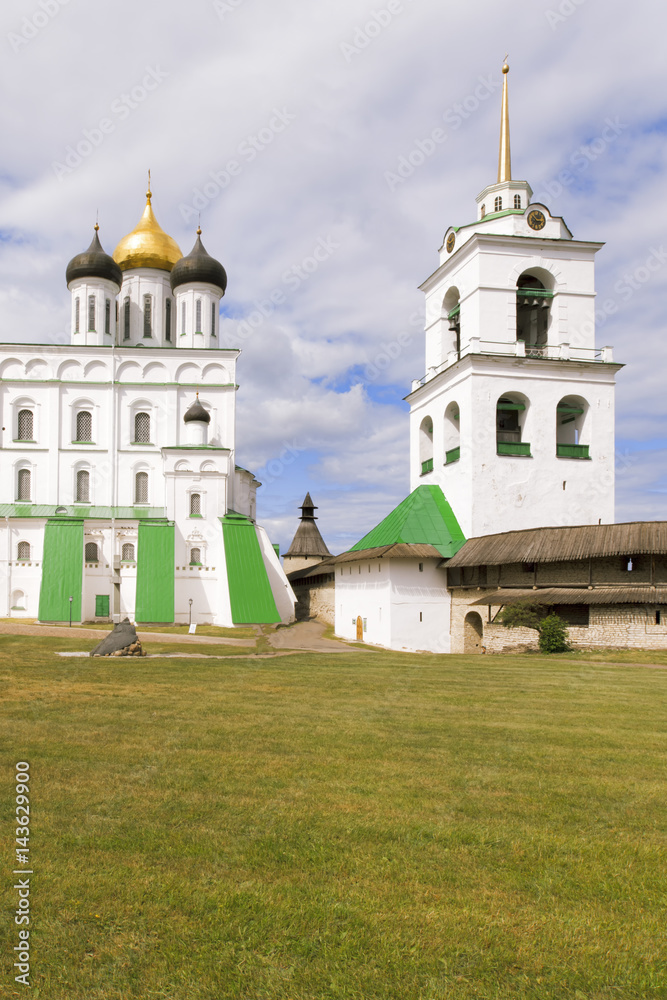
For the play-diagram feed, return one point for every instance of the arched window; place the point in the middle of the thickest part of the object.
(452, 434)
(198, 316)
(84, 425)
(195, 505)
(498, 205)
(426, 445)
(23, 485)
(128, 552)
(571, 428)
(25, 427)
(510, 418)
(142, 428)
(91, 313)
(533, 302)
(18, 600)
(77, 314)
(451, 310)
(23, 551)
(213, 313)
(167, 320)
(183, 314)
(107, 316)
(148, 316)
(83, 486)
(90, 553)
(195, 557)
(126, 318)
(141, 487)
(517, 201)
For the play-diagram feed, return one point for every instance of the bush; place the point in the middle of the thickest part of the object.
(553, 635)
(552, 630)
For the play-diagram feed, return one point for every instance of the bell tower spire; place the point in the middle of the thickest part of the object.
(504, 156)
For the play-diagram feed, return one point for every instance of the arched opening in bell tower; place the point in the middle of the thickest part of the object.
(572, 428)
(426, 445)
(451, 315)
(511, 412)
(452, 433)
(533, 310)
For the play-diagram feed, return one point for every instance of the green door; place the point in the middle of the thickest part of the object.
(101, 605)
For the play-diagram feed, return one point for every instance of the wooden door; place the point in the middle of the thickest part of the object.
(360, 629)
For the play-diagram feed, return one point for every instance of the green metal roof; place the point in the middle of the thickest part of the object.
(250, 594)
(78, 511)
(425, 517)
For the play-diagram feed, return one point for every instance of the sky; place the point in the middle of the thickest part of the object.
(284, 125)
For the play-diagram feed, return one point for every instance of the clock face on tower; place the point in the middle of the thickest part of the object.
(536, 219)
(451, 240)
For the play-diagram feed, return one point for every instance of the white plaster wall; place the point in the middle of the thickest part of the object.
(364, 589)
(102, 289)
(187, 295)
(283, 594)
(420, 606)
(23, 575)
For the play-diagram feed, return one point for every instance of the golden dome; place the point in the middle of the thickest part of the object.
(147, 245)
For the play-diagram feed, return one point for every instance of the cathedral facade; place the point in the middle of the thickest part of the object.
(120, 494)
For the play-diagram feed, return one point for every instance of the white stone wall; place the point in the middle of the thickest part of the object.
(405, 608)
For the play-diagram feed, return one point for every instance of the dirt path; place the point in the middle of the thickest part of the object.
(15, 628)
(307, 636)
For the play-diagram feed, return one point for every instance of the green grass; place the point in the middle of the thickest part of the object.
(242, 632)
(363, 827)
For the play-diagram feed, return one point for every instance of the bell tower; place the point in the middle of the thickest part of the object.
(514, 418)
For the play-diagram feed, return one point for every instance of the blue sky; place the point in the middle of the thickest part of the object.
(284, 124)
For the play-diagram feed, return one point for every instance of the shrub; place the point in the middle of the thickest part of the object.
(553, 635)
(551, 629)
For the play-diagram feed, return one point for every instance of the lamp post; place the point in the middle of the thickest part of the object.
(190, 603)
(70, 611)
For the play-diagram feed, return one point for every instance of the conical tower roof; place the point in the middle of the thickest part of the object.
(147, 245)
(94, 263)
(308, 540)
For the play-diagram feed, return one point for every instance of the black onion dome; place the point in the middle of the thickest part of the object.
(94, 263)
(198, 266)
(197, 412)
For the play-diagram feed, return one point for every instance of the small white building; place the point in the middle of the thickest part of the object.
(120, 494)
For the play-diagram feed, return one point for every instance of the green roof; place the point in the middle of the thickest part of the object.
(79, 511)
(425, 517)
(250, 594)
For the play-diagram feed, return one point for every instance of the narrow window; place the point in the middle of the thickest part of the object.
(142, 428)
(25, 425)
(198, 313)
(213, 311)
(90, 552)
(116, 312)
(195, 505)
(517, 201)
(107, 316)
(23, 490)
(77, 314)
(24, 553)
(126, 319)
(84, 426)
(421, 567)
(195, 557)
(83, 486)
(183, 320)
(657, 611)
(128, 552)
(167, 320)
(498, 204)
(482, 211)
(141, 487)
(91, 313)
(148, 317)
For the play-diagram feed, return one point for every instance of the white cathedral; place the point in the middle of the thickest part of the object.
(119, 491)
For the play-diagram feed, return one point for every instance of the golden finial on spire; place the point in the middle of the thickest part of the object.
(504, 157)
(148, 193)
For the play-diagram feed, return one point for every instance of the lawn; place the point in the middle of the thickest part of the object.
(365, 826)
